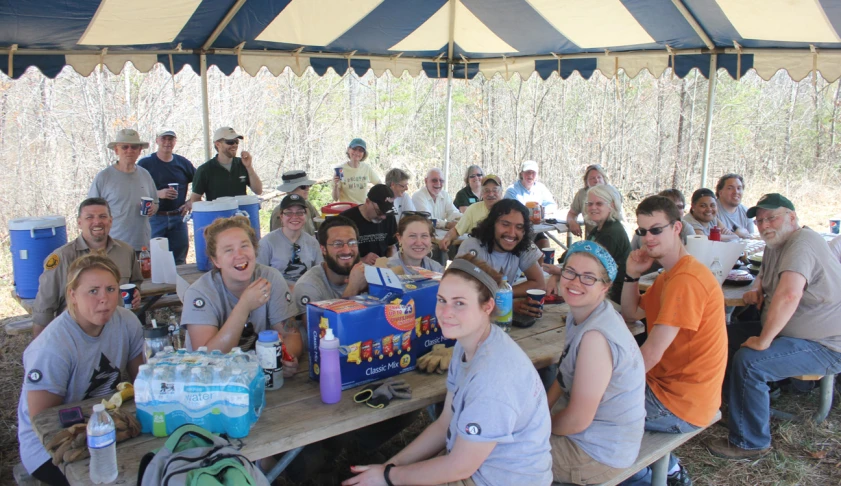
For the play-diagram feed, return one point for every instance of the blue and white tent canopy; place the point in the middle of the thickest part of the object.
(487, 36)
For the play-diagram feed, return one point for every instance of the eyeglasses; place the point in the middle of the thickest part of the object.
(598, 204)
(232, 142)
(680, 206)
(476, 176)
(294, 214)
(585, 279)
(131, 146)
(768, 220)
(338, 245)
(404, 185)
(423, 214)
(437, 180)
(490, 190)
(655, 230)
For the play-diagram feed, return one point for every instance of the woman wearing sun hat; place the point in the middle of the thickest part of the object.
(296, 182)
(356, 175)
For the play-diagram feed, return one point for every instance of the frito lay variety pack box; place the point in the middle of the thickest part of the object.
(380, 334)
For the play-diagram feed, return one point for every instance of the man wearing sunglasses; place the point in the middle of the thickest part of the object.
(685, 352)
(799, 294)
(376, 224)
(226, 174)
(123, 185)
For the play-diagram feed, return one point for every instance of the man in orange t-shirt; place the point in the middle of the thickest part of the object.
(685, 353)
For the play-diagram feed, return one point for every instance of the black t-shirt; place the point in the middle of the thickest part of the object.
(179, 170)
(373, 237)
(465, 197)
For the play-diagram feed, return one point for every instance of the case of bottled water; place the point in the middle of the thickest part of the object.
(224, 393)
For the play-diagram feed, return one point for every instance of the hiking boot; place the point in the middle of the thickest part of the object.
(679, 477)
(724, 449)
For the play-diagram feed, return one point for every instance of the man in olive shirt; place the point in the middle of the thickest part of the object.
(94, 220)
(226, 174)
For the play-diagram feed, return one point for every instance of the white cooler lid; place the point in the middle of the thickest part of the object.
(247, 199)
(221, 204)
(36, 222)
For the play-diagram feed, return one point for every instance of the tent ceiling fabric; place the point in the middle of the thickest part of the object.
(489, 36)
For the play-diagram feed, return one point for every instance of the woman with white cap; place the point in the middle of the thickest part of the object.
(356, 175)
(296, 182)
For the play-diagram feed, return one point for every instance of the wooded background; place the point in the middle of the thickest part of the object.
(647, 132)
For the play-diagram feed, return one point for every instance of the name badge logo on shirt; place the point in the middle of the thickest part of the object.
(305, 300)
(34, 376)
(242, 178)
(198, 303)
(52, 262)
(473, 429)
(288, 297)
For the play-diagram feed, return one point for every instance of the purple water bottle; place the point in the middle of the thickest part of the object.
(330, 377)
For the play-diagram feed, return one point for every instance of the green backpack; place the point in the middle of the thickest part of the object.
(192, 456)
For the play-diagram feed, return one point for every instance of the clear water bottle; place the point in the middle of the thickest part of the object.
(717, 270)
(504, 305)
(102, 445)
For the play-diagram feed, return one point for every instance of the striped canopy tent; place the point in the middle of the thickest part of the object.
(442, 38)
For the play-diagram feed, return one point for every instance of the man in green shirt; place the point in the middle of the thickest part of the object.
(226, 174)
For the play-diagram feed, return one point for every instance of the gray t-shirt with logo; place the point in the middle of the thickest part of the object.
(614, 436)
(278, 252)
(123, 191)
(209, 303)
(816, 317)
(313, 287)
(506, 263)
(498, 397)
(738, 218)
(427, 264)
(65, 361)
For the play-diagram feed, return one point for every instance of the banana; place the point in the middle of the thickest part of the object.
(126, 390)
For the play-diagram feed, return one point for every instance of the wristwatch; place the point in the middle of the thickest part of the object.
(630, 280)
(385, 474)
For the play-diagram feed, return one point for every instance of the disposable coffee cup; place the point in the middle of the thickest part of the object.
(173, 186)
(340, 173)
(536, 298)
(127, 293)
(548, 256)
(146, 205)
(434, 222)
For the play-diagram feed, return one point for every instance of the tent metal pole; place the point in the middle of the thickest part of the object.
(205, 113)
(449, 122)
(708, 128)
(450, 45)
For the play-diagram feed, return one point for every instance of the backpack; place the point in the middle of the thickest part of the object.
(192, 456)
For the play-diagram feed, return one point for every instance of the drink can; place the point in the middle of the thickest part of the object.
(127, 293)
(146, 205)
(835, 226)
(548, 256)
(340, 173)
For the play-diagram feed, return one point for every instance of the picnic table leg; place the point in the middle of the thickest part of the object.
(555, 239)
(659, 471)
(826, 390)
(282, 464)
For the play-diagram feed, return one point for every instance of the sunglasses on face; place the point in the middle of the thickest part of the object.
(437, 180)
(232, 142)
(296, 249)
(293, 214)
(131, 146)
(654, 230)
(422, 214)
(477, 176)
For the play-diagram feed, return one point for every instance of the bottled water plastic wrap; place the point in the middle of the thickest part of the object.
(224, 393)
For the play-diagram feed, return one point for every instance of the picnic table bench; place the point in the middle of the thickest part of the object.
(294, 416)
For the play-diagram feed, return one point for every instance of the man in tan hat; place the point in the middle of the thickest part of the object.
(226, 174)
(124, 186)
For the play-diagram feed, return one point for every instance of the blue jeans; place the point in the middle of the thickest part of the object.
(174, 229)
(750, 404)
(658, 418)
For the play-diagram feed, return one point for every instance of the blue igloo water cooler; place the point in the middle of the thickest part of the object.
(32, 241)
(204, 213)
(251, 205)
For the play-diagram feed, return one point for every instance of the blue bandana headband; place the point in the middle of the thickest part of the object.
(597, 251)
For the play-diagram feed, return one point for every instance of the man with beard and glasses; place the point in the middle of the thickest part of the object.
(799, 294)
(94, 220)
(685, 353)
(226, 174)
(375, 223)
(341, 275)
(504, 241)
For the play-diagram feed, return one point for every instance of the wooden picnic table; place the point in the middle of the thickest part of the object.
(294, 416)
(732, 293)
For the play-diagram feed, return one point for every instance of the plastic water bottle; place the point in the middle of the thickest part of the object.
(505, 305)
(717, 270)
(330, 375)
(102, 445)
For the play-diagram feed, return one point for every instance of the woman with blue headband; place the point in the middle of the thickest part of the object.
(601, 376)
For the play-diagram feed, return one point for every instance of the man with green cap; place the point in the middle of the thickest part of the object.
(357, 176)
(799, 294)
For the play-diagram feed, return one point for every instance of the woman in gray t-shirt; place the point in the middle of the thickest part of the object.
(414, 237)
(495, 423)
(601, 376)
(80, 355)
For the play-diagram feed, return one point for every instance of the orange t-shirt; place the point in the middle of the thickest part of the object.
(688, 378)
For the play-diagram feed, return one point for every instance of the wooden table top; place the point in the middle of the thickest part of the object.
(294, 416)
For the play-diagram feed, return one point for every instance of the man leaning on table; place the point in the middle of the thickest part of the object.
(799, 293)
(94, 220)
(685, 353)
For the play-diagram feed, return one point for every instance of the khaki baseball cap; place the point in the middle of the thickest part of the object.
(226, 133)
